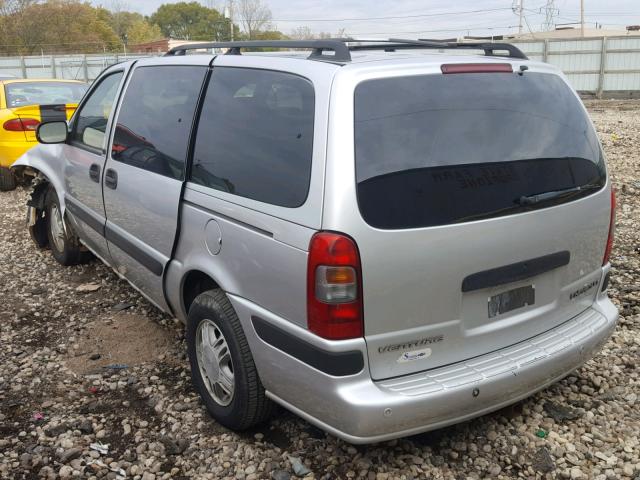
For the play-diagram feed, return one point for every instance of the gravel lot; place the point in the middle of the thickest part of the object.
(57, 397)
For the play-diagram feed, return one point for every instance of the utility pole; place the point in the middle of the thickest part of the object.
(521, 10)
(229, 15)
(518, 8)
(582, 18)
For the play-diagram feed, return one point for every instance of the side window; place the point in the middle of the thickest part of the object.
(255, 136)
(155, 118)
(91, 120)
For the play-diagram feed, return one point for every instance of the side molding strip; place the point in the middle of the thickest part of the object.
(83, 214)
(515, 271)
(139, 255)
(338, 364)
(114, 237)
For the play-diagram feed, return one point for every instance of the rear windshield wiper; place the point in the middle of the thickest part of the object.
(545, 196)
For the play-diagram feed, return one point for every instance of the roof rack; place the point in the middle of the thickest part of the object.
(490, 48)
(342, 47)
(318, 47)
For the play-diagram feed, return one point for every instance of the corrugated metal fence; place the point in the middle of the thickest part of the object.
(74, 67)
(604, 67)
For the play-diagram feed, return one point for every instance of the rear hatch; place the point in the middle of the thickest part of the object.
(486, 213)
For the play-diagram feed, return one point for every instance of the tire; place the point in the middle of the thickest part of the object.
(8, 180)
(65, 245)
(212, 313)
(38, 231)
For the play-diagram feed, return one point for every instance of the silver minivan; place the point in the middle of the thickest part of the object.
(383, 237)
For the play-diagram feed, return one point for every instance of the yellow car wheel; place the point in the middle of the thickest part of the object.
(8, 180)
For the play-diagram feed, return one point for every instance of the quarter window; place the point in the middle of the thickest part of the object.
(154, 122)
(91, 120)
(255, 136)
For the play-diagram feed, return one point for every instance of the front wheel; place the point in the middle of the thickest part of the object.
(65, 245)
(222, 366)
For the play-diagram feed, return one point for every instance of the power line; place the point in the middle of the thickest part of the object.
(439, 14)
(577, 20)
(460, 29)
(595, 14)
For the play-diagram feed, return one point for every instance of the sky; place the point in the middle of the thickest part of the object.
(424, 18)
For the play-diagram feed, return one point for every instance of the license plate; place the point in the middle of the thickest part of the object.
(511, 300)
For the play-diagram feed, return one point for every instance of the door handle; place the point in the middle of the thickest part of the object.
(111, 178)
(94, 172)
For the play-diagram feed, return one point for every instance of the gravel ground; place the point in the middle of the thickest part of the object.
(85, 360)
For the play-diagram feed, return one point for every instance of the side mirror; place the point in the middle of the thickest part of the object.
(52, 132)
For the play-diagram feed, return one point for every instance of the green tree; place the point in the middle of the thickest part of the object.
(142, 31)
(270, 35)
(191, 21)
(57, 26)
(130, 27)
(123, 22)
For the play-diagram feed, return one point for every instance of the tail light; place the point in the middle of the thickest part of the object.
(21, 125)
(612, 228)
(334, 287)
(476, 68)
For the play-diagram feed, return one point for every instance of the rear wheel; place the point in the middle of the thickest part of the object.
(65, 245)
(222, 366)
(8, 180)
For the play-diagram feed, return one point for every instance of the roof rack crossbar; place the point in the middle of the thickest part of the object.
(317, 47)
(342, 47)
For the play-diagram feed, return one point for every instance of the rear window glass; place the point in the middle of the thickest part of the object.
(442, 149)
(43, 93)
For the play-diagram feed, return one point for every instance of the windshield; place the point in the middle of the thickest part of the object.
(442, 149)
(43, 93)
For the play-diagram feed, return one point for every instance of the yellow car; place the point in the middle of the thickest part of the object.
(23, 105)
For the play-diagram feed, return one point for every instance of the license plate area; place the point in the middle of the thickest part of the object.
(511, 300)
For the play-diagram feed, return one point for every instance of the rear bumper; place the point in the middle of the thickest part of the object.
(360, 410)
(11, 151)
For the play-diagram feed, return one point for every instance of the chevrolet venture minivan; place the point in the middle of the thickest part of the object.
(383, 237)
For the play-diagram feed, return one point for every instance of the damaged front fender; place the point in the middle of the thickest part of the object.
(43, 165)
(44, 162)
